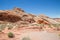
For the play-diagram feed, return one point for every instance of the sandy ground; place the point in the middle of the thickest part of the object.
(41, 36)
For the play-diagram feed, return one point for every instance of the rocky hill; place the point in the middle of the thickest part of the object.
(18, 14)
(18, 22)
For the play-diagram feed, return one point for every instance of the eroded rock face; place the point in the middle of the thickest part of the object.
(28, 18)
(16, 15)
(10, 18)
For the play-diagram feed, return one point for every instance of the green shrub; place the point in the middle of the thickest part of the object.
(26, 38)
(10, 35)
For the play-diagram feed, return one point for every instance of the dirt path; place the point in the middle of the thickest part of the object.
(43, 35)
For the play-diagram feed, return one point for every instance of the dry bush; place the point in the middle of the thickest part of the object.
(10, 35)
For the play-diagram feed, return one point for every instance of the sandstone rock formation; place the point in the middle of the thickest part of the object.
(19, 22)
(17, 14)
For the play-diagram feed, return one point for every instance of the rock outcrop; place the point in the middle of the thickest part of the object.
(17, 14)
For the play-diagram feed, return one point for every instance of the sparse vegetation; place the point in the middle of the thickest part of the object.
(10, 35)
(59, 34)
(0, 30)
(26, 38)
(2, 27)
(10, 26)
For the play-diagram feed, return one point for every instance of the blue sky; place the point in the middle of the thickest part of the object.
(50, 8)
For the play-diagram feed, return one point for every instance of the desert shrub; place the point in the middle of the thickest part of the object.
(11, 25)
(26, 38)
(59, 34)
(2, 27)
(50, 26)
(35, 24)
(0, 30)
(10, 35)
